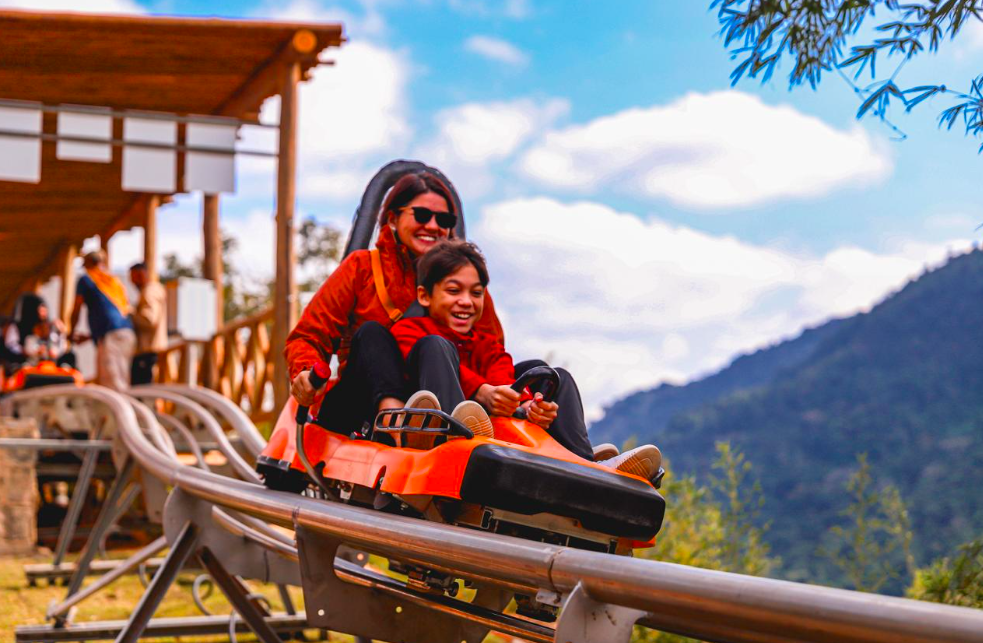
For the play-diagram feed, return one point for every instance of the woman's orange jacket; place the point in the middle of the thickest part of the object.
(348, 299)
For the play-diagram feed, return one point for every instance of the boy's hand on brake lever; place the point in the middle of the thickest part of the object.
(499, 400)
(302, 390)
(541, 412)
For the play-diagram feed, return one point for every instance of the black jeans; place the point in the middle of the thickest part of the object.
(374, 371)
(569, 428)
(142, 368)
(434, 365)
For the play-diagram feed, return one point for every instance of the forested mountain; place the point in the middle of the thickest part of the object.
(903, 383)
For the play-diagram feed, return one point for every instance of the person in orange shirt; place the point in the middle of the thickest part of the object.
(350, 316)
(110, 327)
(457, 366)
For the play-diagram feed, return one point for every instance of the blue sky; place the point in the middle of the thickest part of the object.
(644, 221)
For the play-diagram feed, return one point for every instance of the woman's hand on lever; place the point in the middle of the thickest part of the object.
(302, 390)
(541, 412)
(499, 400)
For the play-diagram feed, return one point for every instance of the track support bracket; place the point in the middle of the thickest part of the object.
(584, 620)
(336, 605)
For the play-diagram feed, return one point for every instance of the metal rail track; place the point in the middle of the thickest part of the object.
(601, 594)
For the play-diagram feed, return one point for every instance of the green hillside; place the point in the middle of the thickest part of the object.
(903, 383)
(654, 408)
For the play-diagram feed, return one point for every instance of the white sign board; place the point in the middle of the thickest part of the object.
(191, 308)
(210, 173)
(85, 126)
(20, 157)
(149, 170)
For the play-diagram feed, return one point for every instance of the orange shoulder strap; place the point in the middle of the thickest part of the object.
(380, 287)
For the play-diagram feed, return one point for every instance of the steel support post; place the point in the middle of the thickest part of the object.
(288, 603)
(125, 567)
(236, 593)
(107, 516)
(121, 508)
(181, 550)
(75, 505)
(188, 628)
(51, 444)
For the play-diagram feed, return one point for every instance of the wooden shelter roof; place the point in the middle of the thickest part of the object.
(184, 66)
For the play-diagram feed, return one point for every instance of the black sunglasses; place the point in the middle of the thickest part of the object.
(446, 220)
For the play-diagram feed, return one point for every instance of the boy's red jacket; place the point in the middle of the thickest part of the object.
(348, 299)
(483, 358)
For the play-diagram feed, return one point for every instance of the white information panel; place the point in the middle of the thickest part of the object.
(20, 157)
(85, 126)
(191, 308)
(149, 170)
(210, 173)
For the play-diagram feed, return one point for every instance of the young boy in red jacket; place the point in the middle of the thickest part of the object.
(452, 365)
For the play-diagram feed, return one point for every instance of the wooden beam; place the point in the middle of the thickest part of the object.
(212, 263)
(67, 301)
(150, 237)
(285, 291)
(332, 33)
(128, 217)
(267, 79)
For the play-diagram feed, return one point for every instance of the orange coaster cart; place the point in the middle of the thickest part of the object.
(423, 463)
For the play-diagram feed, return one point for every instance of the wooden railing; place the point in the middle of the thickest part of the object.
(237, 362)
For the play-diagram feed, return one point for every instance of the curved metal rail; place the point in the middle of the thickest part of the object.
(243, 427)
(710, 605)
(211, 425)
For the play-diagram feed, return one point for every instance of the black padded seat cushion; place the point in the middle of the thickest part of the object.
(526, 483)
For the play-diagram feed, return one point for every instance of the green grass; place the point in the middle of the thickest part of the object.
(23, 605)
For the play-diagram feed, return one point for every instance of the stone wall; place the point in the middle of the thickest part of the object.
(18, 489)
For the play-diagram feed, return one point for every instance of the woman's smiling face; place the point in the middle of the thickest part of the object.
(420, 237)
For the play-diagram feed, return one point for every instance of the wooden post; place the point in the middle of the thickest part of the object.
(285, 292)
(67, 301)
(212, 265)
(212, 269)
(150, 236)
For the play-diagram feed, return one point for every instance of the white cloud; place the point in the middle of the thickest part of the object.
(721, 149)
(350, 113)
(473, 136)
(517, 9)
(90, 6)
(626, 303)
(623, 303)
(512, 9)
(350, 110)
(483, 132)
(496, 49)
(369, 23)
(356, 106)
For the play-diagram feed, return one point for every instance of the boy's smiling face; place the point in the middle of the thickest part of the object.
(457, 300)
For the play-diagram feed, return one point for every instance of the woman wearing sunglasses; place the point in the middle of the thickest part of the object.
(351, 313)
